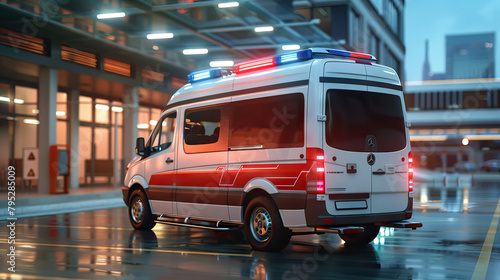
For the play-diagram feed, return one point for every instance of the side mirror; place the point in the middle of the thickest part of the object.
(139, 146)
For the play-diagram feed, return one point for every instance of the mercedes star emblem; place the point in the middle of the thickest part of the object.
(370, 159)
(371, 142)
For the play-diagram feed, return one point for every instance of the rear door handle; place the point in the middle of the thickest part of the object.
(169, 161)
(379, 172)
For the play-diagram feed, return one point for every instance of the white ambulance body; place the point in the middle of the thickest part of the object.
(312, 141)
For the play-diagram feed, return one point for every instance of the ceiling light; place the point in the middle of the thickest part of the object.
(60, 113)
(160, 36)
(31, 121)
(228, 5)
(111, 15)
(18, 101)
(35, 111)
(227, 63)
(263, 29)
(465, 141)
(143, 125)
(153, 122)
(4, 99)
(101, 107)
(290, 47)
(116, 109)
(194, 51)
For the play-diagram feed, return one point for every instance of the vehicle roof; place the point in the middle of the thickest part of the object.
(295, 72)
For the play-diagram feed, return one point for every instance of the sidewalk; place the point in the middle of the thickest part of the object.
(82, 199)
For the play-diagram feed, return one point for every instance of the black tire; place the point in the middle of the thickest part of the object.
(362, 238)
(263, 226)
(139, 213)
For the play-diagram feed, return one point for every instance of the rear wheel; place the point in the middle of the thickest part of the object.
(139, 213)
(362, 238)
(263, 226)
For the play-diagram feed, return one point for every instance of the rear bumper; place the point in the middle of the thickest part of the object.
(318, 216)
(125, 194)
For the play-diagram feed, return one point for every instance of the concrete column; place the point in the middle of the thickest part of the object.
(74, 137)
(47, 129)
(130, 120)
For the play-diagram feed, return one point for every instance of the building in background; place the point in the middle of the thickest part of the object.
(374, 26)
(470, 56)
(454, 121)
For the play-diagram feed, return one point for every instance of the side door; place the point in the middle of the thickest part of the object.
(347, 172)
(160, 164)
(202, 159)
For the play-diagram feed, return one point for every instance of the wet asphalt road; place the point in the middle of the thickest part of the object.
(102, 245)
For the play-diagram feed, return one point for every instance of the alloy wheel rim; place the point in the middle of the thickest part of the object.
(262, 224)
(137, 210)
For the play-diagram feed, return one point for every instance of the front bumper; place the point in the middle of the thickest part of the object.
(318, 216)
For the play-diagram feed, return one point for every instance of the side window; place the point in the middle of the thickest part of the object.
(163, 134)
(202, 130)
(270, 122)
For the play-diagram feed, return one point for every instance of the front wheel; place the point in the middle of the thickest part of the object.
(263, 226)
(139, 213)
(362, 238)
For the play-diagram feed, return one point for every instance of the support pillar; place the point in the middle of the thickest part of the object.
(47, 129)
(130, 120)
(74, 137)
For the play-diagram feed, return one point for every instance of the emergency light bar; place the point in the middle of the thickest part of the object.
(206, 74)
(273, 61)
(352, 54)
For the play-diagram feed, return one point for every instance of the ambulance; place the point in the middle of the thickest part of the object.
(308, 142)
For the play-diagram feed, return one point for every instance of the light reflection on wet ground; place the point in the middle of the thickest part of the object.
(102, 245)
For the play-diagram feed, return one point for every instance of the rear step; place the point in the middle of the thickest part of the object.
(340, 230)
(197, 223)
(402, 224)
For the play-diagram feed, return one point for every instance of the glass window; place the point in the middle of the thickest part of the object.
(202, 126)
(62, 104)
(278, 123)
(163, 134)
(373, 45)
(26, 101)
(353, 116)
(117, 111)
(102, 111)
(101, 142)
(356, 30)
(85, 110)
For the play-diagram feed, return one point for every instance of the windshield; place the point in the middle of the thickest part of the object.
(364, 121)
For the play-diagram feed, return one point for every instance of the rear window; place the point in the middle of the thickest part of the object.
(364, 121)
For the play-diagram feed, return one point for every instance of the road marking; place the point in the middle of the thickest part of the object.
(28, 276)
(76, 227)
(484, 258)
(131, 249)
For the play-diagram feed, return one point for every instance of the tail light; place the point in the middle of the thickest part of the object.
(410, 173)
(316, 177)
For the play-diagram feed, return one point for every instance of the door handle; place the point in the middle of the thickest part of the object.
(379, 172)
(169, 161)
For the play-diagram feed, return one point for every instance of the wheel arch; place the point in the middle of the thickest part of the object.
(254, 188)
(139, 183)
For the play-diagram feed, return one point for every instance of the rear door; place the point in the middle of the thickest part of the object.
(390, 169)
(347, 173)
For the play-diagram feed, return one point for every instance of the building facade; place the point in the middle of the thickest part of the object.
(470, 56)
(371, 26)
(454, 121)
